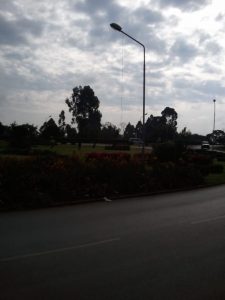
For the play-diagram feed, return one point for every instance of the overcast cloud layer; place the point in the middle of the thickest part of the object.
(47, 47)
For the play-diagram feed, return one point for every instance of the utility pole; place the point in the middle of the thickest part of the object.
(119, 28)
(214, 119)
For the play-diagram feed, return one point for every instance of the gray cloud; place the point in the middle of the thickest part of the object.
(209, 42)
(8, 6)
(208, 45)
(15, 32)
(101, 14)
(219, 17)
(188, 5)
(95, 27)
(211, 87)
(12, 55)
(9, 33)
(48, 47)
(203, 37)
(213, 48)
(148, 16)
(198, 90)
(211, 69)
(183, 50)
(98, 7)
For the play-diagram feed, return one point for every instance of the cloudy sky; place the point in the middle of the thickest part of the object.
(47, 47)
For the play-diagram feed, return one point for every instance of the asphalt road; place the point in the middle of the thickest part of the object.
(168, 246)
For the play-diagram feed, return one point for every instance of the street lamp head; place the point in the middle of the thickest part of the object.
(116, 26)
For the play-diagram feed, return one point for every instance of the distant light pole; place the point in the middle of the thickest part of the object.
(119, 28)
(214, 119)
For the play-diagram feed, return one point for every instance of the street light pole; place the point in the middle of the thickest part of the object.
(119, 28)
(214, 119)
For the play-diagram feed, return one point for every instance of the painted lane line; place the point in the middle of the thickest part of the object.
(59, 250)
(208, 220)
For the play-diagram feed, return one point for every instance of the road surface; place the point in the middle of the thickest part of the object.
(168, 246)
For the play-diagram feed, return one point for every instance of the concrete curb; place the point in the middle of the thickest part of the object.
(113, 198)
(127, 196)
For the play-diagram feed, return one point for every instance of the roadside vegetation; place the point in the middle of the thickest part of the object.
(41, 180)
(83, 160)
(217, 176)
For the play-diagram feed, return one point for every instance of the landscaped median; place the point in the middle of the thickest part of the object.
(40, 181)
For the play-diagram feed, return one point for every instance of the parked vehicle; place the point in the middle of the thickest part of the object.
(205, 145)
(135, 141)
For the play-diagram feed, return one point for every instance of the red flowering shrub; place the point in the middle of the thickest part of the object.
(43, 180)
(120, 156)
(147, 157)
(198, 158)
(202, 162)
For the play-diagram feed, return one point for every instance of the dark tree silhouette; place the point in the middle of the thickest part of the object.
(2, 130)
(216, 137)
(83, 104)
(49, 130)
(62, 124)
(154, 129)
(22, 136)
(71, 133)
(109, 131)
(162, 128)
(184, 136)
(139, 130)
(129, 131)
(62, 119)
(170, 116)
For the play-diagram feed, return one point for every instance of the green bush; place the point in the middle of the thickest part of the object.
(166, 151)
(170, 175)
(216, 169)
(202, 161)
(198, 158)
(43, 180)
(118, 147)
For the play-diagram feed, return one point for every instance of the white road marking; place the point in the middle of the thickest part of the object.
(59, 250)
(208, 220)
(107, 199)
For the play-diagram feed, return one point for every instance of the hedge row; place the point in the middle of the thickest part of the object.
(40, 181)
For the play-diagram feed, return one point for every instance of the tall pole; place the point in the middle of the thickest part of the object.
(214, 119)
(119, 28)
(143, 129)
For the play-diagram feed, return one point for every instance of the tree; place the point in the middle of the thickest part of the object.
(22, 136)
(2, 130)
(185, 136)
(217, 137)
(129, 131)
(83, 104)
(62, 124)
(139, 130)
(122, 127)
(109, 131)
(71, 133)
(62, 118)
(49, 130)
(154, 129)
(170, 116)
(183, 139)
(196, 139)
(162, 128)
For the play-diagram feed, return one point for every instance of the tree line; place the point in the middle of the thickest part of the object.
(85, 125)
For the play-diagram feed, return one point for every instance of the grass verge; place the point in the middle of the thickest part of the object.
(214, 179)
